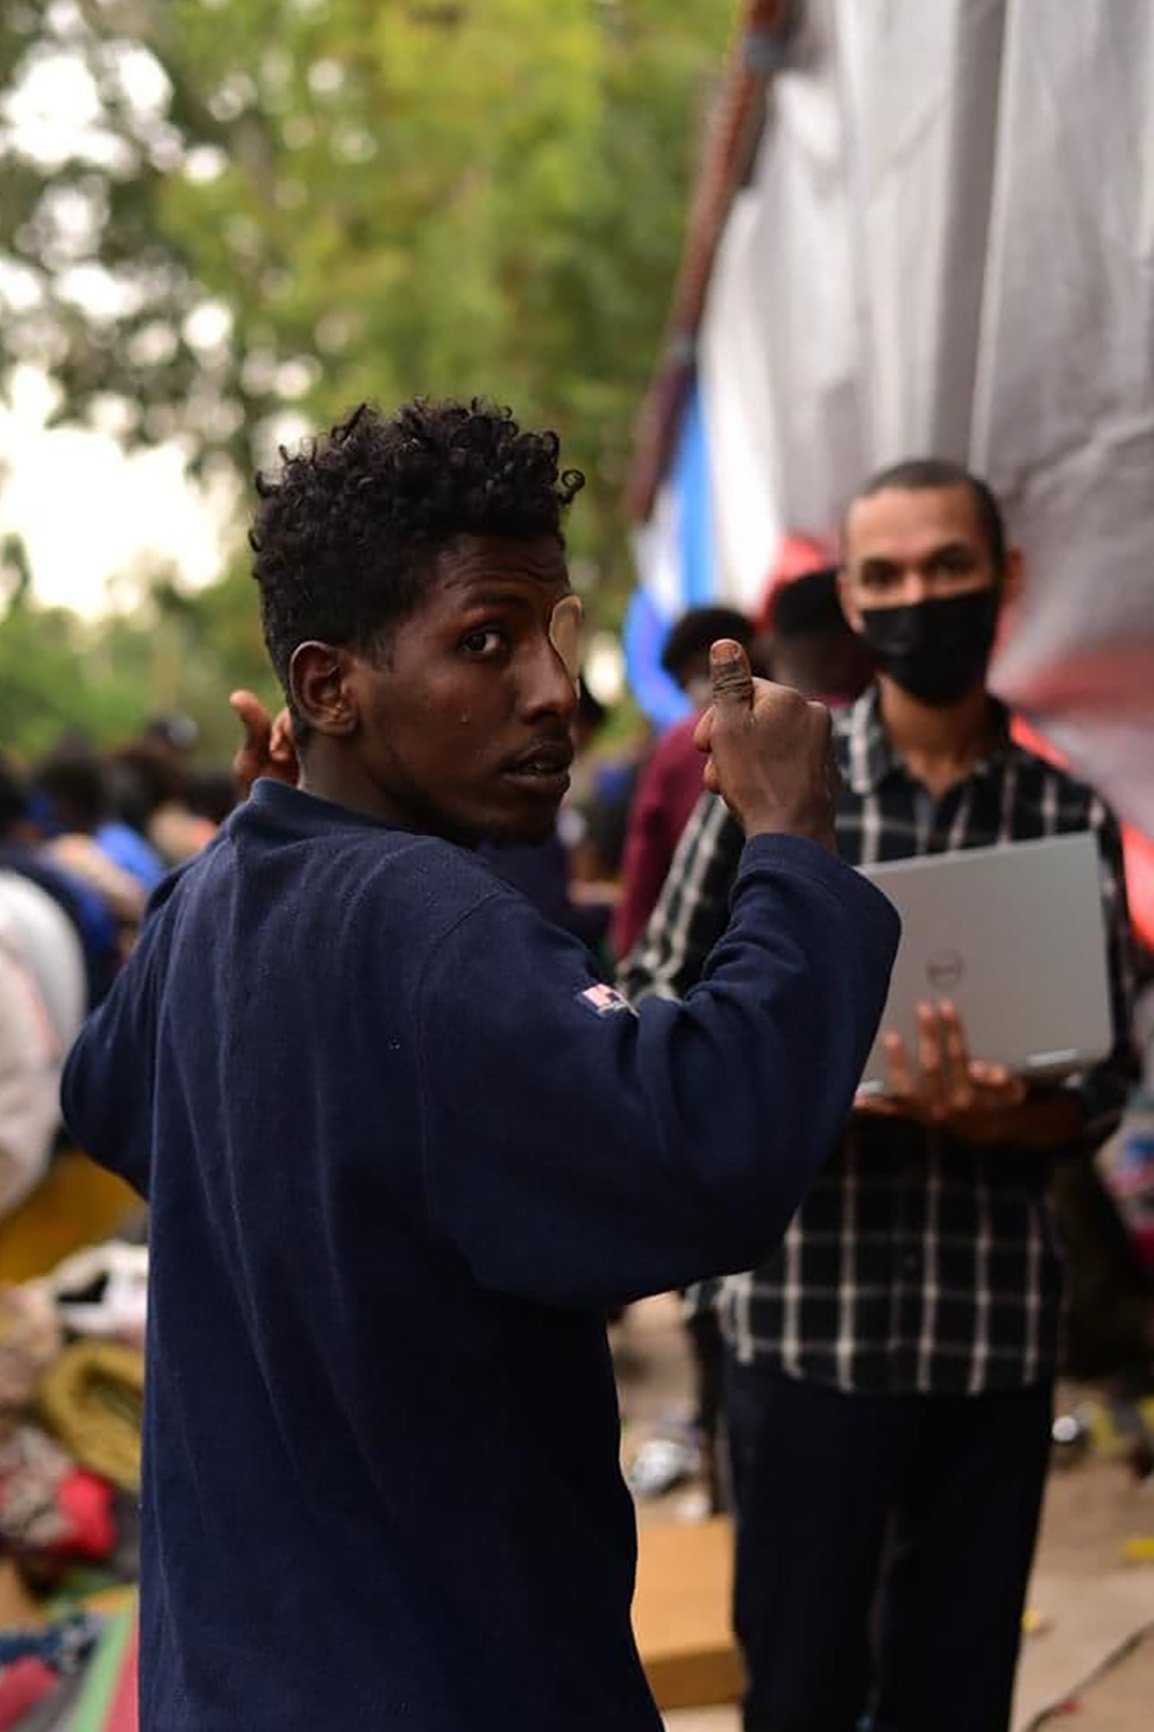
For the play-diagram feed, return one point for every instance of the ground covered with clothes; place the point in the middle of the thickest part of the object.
(71, 1393)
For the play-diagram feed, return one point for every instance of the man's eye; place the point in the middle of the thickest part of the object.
(486, 642)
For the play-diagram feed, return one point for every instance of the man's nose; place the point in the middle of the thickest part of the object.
(549, 688)
(916, 588)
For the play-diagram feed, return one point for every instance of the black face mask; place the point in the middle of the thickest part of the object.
(935, 650)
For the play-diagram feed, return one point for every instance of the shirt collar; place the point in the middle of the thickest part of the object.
(871, 758)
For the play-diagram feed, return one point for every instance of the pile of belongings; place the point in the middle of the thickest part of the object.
(77, 1674)
(1126, 1163)
(71, 1408)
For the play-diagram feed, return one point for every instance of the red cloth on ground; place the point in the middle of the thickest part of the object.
(49, 1507)
(22, 1685)
(85, 1500)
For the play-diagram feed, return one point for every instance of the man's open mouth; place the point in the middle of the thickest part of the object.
(546, 765)
(545, 760)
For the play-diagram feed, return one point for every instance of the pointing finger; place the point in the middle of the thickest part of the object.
(252, 754)
(254, 718)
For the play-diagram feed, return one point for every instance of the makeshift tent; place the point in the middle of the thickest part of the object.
(929, 229)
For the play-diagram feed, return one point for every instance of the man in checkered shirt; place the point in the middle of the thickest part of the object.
(890, 1370)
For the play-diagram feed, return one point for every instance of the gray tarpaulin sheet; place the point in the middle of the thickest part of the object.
(947, 246)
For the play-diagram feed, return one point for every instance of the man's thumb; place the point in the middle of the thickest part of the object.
(731, 676)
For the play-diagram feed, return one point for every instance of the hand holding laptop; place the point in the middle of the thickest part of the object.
(942, 1085)
(1013, 939)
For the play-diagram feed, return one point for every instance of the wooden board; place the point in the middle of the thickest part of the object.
(681, 1613)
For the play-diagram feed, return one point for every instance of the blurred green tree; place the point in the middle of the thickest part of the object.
(216, 215)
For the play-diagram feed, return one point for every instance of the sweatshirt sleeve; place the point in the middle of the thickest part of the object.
(692, 910)
(578, 1152)
(107, 1087)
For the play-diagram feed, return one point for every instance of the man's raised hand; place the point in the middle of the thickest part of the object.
(267, 748)
(769, 751)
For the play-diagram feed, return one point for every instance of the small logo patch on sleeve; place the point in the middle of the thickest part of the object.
(602, 1000)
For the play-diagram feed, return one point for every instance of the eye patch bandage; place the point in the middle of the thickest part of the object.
(565, 634)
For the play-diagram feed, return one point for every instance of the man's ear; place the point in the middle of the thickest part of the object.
(848, 605)
(322, 689)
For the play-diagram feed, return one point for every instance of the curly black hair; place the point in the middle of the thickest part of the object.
(692, 634)
(345, 534)
(76, 784)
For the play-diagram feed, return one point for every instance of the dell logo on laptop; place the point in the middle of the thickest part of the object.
(944, 969)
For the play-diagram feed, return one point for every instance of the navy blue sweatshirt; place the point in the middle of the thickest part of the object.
(402, 1149)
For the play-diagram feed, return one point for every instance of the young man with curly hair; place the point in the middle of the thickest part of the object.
(403, 1149)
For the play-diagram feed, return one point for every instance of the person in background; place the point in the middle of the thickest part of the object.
(22, 853)
(811, 645)
(149, 790)
(45, 992)
(210, 795)
(125, 841)
(173, 734)
(670, 782)
(808, 645)
(70, 797)
(889, 1371)
(360, 1078)
(43, 995)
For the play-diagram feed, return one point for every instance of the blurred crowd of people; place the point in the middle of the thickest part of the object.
(85, 836)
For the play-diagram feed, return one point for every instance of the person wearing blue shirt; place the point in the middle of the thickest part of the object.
(128, 849)
(403, 1148)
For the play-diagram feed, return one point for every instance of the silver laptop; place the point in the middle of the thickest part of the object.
(1015, 936)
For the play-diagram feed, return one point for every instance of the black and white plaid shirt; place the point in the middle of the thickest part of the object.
(917, 1262)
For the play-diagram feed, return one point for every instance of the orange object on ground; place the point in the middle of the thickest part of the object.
(681, 1613)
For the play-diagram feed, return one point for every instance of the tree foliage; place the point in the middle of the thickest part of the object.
(101, 679)
(219, 215)
(271, 208)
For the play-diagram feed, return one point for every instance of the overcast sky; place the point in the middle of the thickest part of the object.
(89, 513)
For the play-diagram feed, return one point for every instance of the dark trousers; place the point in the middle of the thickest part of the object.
(883, 1549)
(704, 1333)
